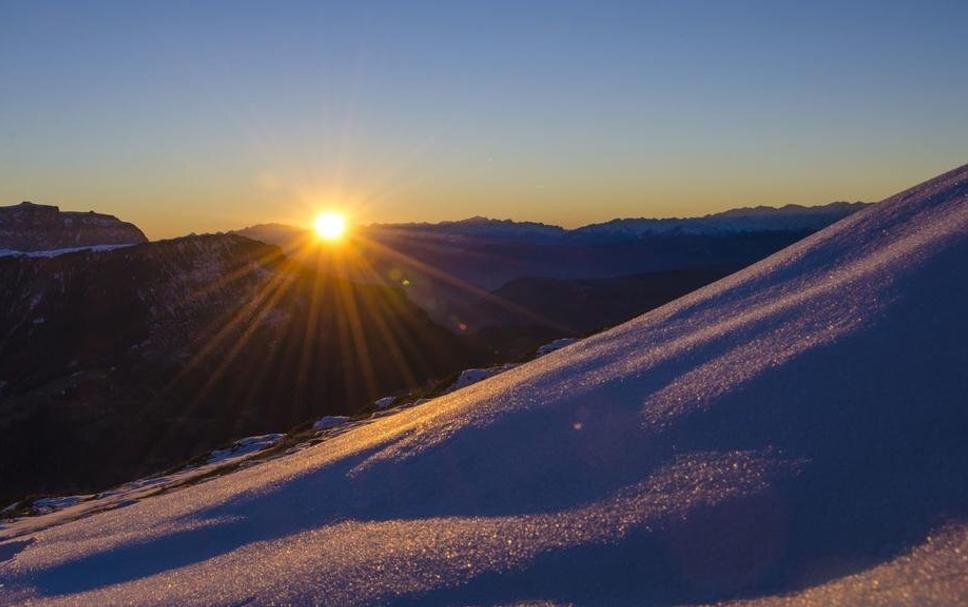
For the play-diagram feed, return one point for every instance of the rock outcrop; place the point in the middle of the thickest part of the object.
(40, 227)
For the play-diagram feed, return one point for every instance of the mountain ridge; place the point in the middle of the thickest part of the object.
(479, 224)
(35, 227)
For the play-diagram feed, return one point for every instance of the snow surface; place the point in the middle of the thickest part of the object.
(931, 574)
(794, 428)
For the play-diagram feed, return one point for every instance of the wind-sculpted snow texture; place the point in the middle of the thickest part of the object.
(794, 432)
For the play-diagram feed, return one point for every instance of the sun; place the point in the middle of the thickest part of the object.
(330, 226)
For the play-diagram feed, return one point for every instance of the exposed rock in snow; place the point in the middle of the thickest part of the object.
(330, 421)
(385, 402)
(382, 413)
(472, 376)
(47, 505)
(245, 446)
(557, 344)
(795, 428)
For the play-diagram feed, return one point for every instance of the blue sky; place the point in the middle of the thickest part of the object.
(196, 116)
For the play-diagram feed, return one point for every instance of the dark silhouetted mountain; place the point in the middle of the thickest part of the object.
(114, 364)
(279, 234)
(39, 227)
(514, 320)
(476, 227)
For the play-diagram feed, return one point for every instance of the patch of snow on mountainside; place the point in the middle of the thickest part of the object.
(330, 421)
(777, 431)
(385, 402)
(55, 252)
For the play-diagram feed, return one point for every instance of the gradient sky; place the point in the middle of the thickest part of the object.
(199, 116)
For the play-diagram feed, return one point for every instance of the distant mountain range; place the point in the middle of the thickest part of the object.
(461, 272)
(478, 227)
(39, 227)
(788, 218)
(30, 227)
(582, 306)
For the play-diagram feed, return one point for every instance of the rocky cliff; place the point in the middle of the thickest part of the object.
(40, 227)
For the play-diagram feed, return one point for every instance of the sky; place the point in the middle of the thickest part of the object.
(201, 116)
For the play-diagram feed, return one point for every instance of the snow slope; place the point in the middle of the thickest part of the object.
(796, 429)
